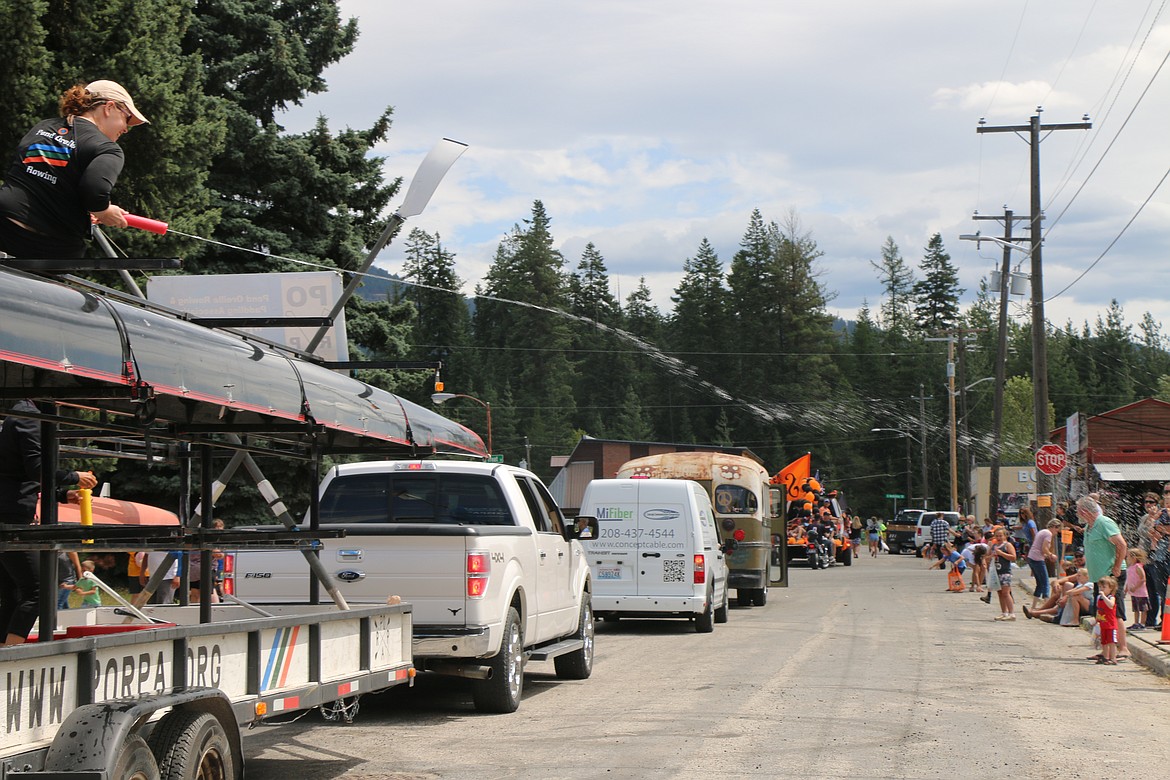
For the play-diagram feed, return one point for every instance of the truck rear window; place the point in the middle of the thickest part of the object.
(454, 499)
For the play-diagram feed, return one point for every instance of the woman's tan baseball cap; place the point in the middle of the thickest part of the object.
(112, 90)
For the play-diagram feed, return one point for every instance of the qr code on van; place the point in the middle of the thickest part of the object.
(674, 571)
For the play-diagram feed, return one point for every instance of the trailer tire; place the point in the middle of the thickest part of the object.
(192, 745)
(578, 665)
(501, 692)
(135, 761)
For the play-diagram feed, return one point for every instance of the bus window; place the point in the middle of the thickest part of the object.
(735, 500)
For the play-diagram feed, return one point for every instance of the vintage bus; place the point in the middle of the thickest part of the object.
(740, 494)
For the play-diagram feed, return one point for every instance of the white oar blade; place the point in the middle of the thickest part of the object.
(426, 179)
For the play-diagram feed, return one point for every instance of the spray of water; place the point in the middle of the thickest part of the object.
(823, 417)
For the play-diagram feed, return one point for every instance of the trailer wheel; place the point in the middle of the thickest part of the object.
(501, 692)
(192, 745)
(578, 665)
(135, 761)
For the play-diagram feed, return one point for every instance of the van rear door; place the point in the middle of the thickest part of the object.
(613, 555)
(665, 539)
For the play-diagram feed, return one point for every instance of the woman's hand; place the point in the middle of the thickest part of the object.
(114, 216)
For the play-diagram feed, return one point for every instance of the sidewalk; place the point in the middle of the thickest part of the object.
(1143, 645)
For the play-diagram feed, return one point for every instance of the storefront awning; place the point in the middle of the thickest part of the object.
(1133, 472)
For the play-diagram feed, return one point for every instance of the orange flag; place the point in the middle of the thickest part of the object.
(793, 476)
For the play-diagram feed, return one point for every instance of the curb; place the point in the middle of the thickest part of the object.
(1144, 647)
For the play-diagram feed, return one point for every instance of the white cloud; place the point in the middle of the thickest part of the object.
(644, 127)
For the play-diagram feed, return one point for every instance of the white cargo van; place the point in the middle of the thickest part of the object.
(657, 553)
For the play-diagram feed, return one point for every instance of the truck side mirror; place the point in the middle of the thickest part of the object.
(584, 528)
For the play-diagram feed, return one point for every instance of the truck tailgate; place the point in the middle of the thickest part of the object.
(428, 571)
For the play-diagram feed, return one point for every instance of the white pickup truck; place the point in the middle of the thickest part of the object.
(493, 572)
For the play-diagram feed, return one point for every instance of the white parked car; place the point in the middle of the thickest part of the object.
(922, 531)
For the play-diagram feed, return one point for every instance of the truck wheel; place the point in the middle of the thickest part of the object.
(191, 745)
(705, 620)
(135, 761)
(578, 665)
(721, 612)
(894, 549)
(743, 597)
(501, 692)
(760, 596)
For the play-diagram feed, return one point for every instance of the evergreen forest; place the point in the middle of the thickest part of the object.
(747, 355)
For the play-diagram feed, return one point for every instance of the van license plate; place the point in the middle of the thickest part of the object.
(609, 574)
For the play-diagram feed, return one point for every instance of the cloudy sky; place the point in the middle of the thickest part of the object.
(645, 126)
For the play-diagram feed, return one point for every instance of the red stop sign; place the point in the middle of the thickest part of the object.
(1051, 459)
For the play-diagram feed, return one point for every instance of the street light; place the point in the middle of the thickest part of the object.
(439, 398)
(977, 237)
(922, 443)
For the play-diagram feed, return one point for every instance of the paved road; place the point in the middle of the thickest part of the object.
(866, 671)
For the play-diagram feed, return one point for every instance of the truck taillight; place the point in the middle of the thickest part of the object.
(479, 569)
(700, 569)
(229, 573)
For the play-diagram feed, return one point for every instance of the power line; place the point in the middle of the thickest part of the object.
(1116, 238)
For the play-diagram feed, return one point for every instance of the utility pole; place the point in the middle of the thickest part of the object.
(1009, 219)
(922, 443)
(1044, 482)
(954, 437)
(961, 367)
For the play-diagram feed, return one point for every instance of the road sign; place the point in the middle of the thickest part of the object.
(895, 495)
(495, 459)
(1051, 459)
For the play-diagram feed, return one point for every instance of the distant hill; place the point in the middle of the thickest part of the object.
(380, 285)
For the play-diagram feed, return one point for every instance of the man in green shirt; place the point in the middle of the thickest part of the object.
(1105, 550)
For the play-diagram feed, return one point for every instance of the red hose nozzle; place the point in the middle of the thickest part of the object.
(145, 223)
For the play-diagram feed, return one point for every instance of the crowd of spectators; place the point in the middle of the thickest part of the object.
(1081, 564)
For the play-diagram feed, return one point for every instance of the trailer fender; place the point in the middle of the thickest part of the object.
(92, 736)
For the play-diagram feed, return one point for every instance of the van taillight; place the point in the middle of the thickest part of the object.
(700, 569)
(479, 569)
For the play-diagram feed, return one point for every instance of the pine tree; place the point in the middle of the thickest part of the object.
(759, 307)
(27, 91)
(528, 269)
(641, 316)
(897, 280)
(699, 328)
(442, 326)
(602, 362)
(1115, 354)
(318, 195)
(936, 296)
